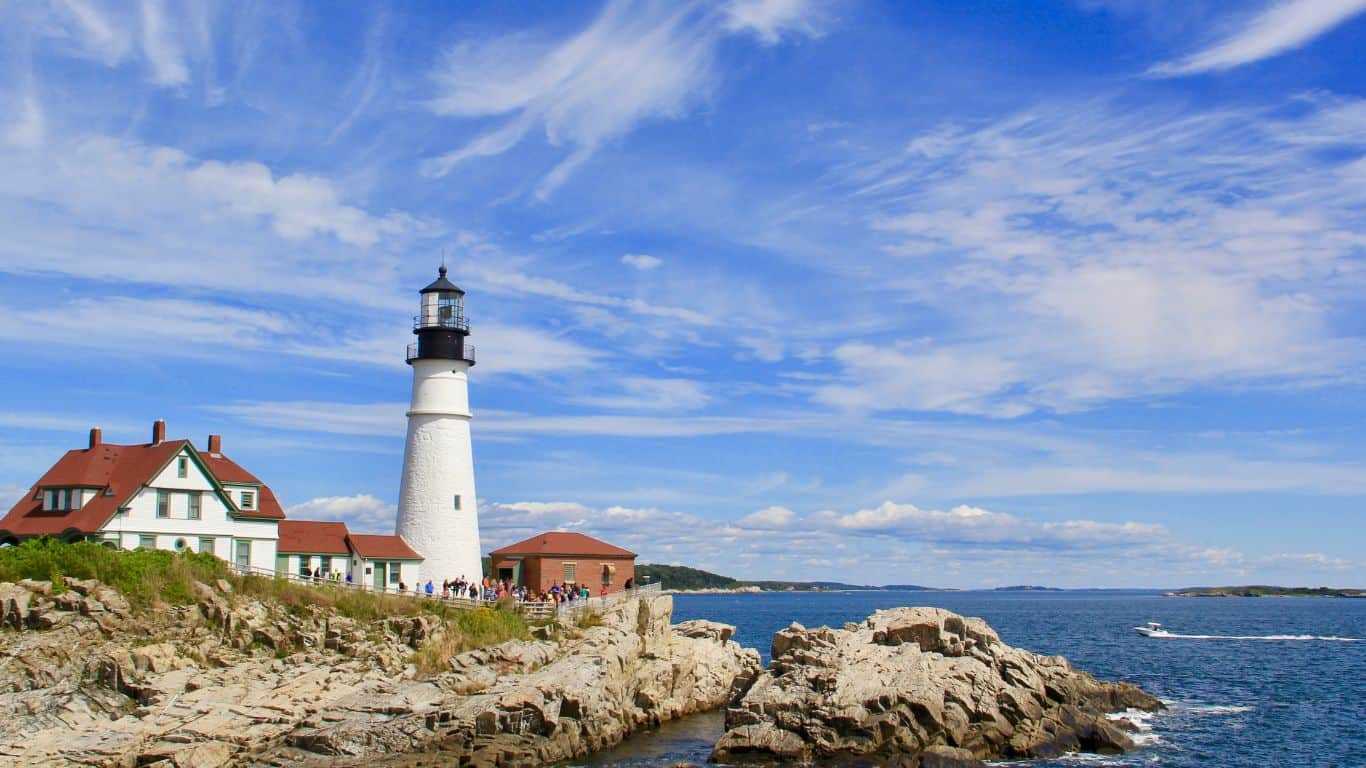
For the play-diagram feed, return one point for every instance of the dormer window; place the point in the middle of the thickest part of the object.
(182, 467)
(61, 499)
(248, 500)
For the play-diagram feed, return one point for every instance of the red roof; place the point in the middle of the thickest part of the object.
(376, 547)
(229, 471)
(119, 472)
(565, 543)
(312, 537)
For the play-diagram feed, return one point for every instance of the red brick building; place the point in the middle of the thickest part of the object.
(562, 557)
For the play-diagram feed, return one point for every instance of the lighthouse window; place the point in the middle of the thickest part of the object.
(457, 501)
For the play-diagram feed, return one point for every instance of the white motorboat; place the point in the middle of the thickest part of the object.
(1153, 629)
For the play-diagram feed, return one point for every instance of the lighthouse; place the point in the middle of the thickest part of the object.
(437, 514)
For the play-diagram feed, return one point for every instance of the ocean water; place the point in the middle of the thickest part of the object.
(1236, 699)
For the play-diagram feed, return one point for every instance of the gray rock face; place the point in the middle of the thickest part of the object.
(84, 681)
(920, 687)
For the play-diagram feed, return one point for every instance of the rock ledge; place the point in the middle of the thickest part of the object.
(920, 687)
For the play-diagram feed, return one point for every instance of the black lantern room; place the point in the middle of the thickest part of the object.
(441, 327)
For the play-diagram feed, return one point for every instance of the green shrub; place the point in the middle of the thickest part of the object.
(484, 626)
(145, 576)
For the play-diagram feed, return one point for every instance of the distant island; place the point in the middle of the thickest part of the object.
(681, 578)
(1258, 590)
(1028, 588)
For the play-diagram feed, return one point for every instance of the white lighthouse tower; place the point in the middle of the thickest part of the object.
(437, 514)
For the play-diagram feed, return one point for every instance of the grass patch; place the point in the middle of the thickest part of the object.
(587, 619)
(468, 630)
(157, 577)
(145, 576)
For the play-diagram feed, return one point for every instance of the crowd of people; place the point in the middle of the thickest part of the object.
(562, 595)
(567, 594)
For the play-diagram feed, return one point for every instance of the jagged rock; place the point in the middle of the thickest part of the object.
(36, 587)
(157, 658)
(181, 689)
(14, 605)
(919, 686)
(701, 628)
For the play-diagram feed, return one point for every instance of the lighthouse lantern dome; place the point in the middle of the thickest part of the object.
(443, 305)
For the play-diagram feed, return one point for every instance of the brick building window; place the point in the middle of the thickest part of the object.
(569, 569)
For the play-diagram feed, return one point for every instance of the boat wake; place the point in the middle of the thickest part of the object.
(1324, 638)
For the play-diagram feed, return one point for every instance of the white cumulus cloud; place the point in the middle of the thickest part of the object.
(362, 512)
(641, 261)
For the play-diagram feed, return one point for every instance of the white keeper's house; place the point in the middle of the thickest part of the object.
(166, 494)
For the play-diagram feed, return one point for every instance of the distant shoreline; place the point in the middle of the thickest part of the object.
(1266, 591)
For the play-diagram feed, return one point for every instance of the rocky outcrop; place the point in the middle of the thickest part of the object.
(920, 687)
(559, 702)
(231, 680)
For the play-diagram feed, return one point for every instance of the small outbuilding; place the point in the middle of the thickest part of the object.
(563, 557)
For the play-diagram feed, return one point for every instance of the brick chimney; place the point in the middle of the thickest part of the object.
(158, 432)
(215, 443)
(96, 437)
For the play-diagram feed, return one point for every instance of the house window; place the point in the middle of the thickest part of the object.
(457, 502)
(304, 571)
(206, 544)
(182, 467)
(76, 498)
(49, 501)
(248, 500)
(196, 501)
(394, 572)
(243, 553)
(163, 504)
(569, 573)
(181, 544)
(147, 542)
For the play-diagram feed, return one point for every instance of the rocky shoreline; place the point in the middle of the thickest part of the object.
(234, 681)
(920, 687)
(84, 680)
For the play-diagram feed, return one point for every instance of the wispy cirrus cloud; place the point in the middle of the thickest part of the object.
(635, 62)
(1083, 260)
(1283, 26)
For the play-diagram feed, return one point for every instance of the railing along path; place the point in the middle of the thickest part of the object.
(532, 609)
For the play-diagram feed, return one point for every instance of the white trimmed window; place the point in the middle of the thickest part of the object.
(163, 503)
(569, 569)
(196, 505)
(182, 467)
(248, 500)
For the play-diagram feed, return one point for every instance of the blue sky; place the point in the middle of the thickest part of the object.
(951, 293)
